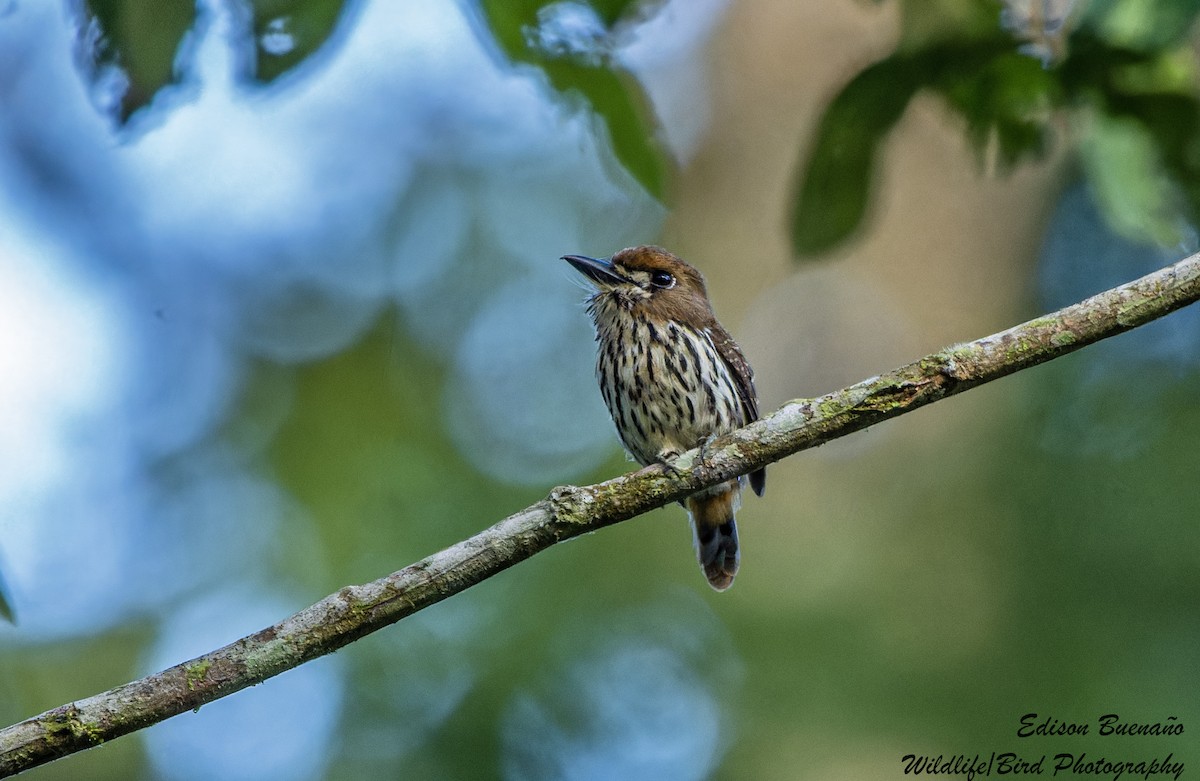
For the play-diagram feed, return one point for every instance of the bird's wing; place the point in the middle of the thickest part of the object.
(743, 378)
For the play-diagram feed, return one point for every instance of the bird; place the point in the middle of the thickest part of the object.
(672, 378)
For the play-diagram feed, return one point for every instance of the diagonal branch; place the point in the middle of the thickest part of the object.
(569, 511)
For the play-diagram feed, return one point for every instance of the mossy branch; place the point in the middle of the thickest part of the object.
(569, 511)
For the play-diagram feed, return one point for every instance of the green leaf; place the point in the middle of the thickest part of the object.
(1004, 96)
(1130, 78)
(142, 39)
(1144, 25)
(6, 610)
(615, 97)
(834, 188)
(1142, 105)
(1128, 179)
(286, 32)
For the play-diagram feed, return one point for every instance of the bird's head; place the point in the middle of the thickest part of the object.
(647, 280)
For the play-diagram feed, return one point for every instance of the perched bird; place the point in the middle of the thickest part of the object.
(672, 377)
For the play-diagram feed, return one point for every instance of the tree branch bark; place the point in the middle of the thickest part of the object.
(569, 511)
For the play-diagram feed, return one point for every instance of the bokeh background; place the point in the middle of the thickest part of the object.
(281, 310)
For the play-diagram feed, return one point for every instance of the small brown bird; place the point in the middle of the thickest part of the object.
(672, 377)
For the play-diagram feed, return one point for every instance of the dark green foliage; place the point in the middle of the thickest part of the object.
(833, 195)
(614, 96)
(1122, 74)
(308, 22)
(1146, 25)
(1118, 63)
(1003, 95)
(6, 611)
(143, 39)
(995, 88)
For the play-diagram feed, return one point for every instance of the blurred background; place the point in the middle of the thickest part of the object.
(281, 310)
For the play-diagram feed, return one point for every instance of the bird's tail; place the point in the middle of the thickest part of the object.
(714, 532)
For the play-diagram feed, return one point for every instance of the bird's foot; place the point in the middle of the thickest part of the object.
(663, 464)
(702, 448)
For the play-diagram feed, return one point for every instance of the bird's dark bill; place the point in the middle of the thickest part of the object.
(599, 270)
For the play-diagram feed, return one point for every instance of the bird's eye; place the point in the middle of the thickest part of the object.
(662, 279)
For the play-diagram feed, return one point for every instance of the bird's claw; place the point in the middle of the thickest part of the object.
(664, 466)
(702, 448)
